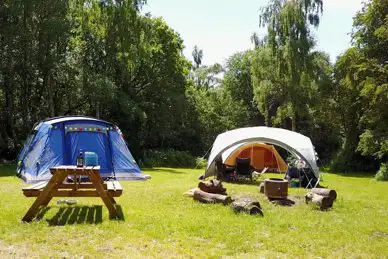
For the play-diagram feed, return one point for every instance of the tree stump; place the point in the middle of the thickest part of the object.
(261, 188)
(276, 188)
(325, 192)
(247, 206)
(212, 186)
(324, 202)
(206, 197)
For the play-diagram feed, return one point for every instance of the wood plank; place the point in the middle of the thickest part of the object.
(36, 186)
(74, 169)
(75, 193)
(114, 188)
(97, 181)
(118, 186)
(43, 196)
(72, 193)
(80, 186)
(110, 186)
(47, 200)
(31, 193)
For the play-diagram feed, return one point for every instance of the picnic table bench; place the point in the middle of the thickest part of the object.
(58, 187)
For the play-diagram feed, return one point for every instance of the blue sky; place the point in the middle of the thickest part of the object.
(223, 27)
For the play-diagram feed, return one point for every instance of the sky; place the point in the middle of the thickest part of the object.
(222, 27)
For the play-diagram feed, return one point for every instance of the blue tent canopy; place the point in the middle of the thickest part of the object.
(58, 141)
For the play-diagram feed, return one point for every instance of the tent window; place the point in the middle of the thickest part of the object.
(27, 145)
(34, 154)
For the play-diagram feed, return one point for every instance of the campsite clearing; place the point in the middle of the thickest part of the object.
(160, 222)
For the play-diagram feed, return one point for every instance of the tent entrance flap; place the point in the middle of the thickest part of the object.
(89, 141)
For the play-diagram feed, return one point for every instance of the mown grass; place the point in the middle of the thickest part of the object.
(160, 222)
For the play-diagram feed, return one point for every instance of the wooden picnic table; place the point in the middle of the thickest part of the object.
(58, 186)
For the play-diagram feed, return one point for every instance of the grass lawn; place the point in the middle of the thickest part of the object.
(160, 222)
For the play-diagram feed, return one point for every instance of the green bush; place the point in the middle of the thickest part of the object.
(349, 161)
(382, 174)
(201, 163)
(168, 158)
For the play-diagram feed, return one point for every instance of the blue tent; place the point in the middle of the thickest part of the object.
(58, 141)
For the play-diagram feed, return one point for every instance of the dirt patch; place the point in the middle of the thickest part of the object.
(14, 251)
(379, 234)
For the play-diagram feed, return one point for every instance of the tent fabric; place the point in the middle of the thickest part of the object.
(58, 141)
(261, 155)
(293, 142)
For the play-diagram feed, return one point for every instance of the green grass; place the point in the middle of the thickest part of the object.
(160, 222)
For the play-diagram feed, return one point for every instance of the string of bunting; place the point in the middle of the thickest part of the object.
(91, 129)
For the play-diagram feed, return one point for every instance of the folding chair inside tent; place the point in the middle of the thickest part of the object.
(309, 180)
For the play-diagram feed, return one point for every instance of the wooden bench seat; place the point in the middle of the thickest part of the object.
(34, 190)
(114, 189)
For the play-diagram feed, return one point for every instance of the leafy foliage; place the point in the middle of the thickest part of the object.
(361, 76)
(106, 59)
(382, 174)
(170, 158)
(291, 42)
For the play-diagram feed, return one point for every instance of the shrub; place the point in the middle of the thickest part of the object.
(382, 174)
(348, 161)
(201, 163)
(168, 158)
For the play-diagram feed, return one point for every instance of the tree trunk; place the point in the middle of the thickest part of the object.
(212, 186)
(97, 109)
(247, 206)
(26, 93)
(211, 197)
(50, 95)
(324, 202)
(9, 101)
(261, 188)
(293, 121)
(325, 192)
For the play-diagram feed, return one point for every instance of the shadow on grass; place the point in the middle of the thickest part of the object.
(77, 215)
(167, 170)
(7, 170)
(80, 215)
(120, 213)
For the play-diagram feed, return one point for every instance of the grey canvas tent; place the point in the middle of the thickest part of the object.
(295, 143)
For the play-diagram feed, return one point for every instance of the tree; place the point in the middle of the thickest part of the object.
(97, 58)
(290, 40)
(237, 82)
(361, 96)
(371, 38)
(197, 56)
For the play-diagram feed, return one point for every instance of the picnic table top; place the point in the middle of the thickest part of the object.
(74, 167)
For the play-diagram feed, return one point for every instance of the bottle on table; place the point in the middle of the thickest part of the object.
(80, 159)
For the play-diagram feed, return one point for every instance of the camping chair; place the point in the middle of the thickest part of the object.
(223, 172)
(293, 173)
(308, 179)
(243, 167)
